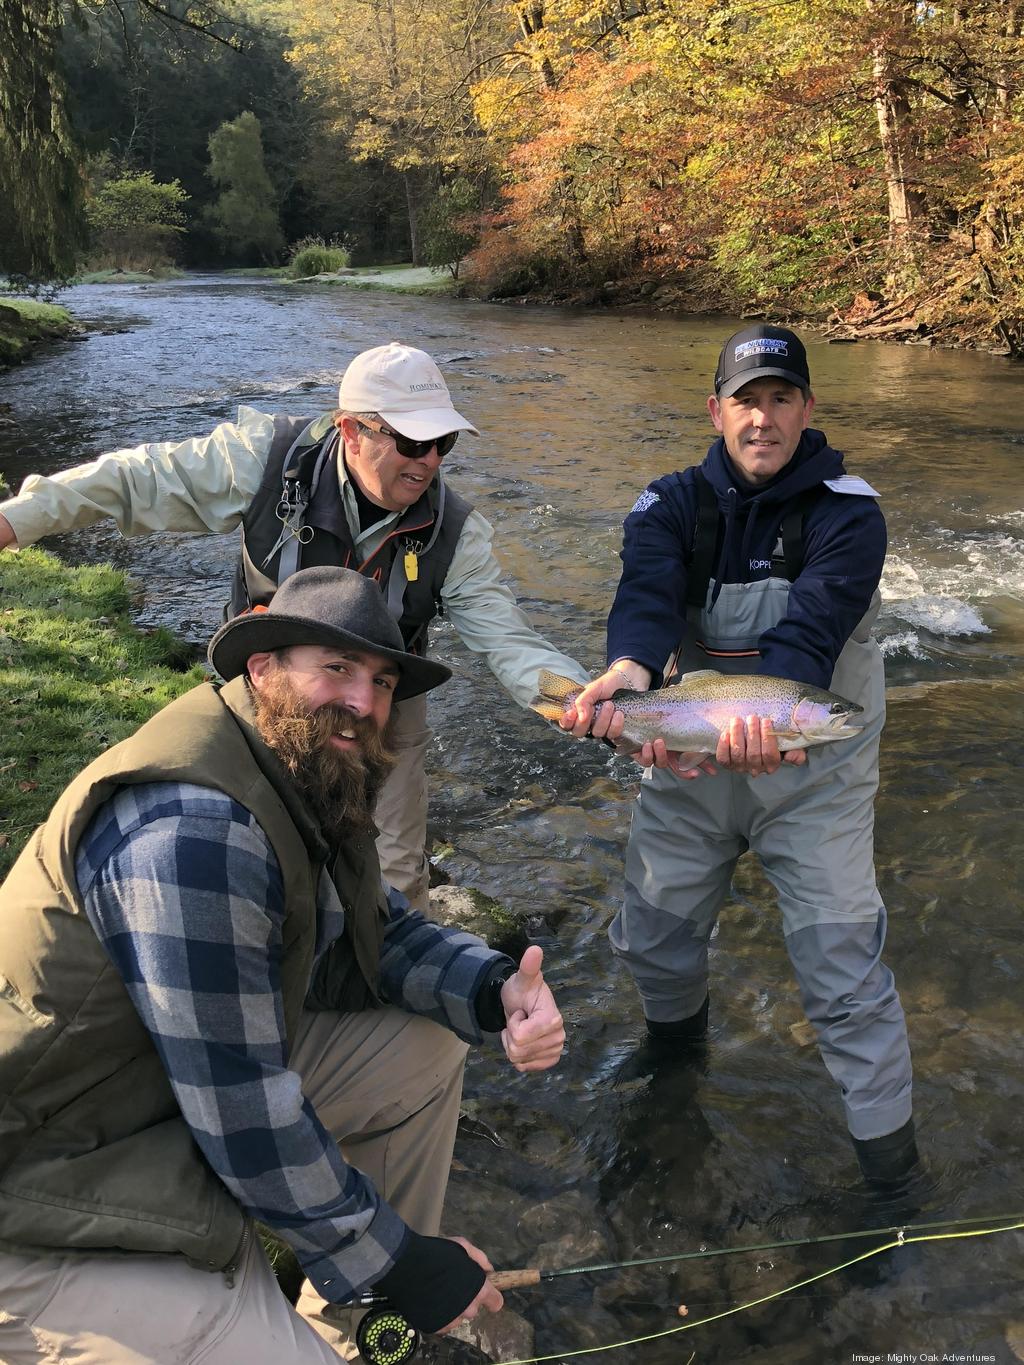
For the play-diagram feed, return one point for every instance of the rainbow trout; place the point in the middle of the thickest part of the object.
(691, 714)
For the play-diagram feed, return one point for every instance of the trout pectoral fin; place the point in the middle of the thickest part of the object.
(690, 760)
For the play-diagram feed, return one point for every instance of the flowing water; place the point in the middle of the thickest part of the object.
(602, 1159)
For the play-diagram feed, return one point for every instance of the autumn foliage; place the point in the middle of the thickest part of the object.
(783, 156)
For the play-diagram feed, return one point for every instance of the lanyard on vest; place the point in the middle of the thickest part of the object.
(296, 494)
(398, 579)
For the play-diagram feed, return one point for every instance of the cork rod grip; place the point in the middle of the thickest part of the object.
(513, 1279)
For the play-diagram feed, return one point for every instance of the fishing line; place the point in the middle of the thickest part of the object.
(901, 1240)
(895, 1228)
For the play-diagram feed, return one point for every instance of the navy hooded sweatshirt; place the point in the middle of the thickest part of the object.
(844, 550)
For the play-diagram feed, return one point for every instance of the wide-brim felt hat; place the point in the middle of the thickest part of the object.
(324, 606)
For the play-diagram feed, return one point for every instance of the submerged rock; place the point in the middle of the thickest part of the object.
(499, 1336)
(462, 907)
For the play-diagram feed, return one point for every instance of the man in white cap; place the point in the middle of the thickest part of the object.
(360, 487)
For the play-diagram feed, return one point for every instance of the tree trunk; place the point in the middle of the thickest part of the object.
(896, 137)
(1007, 75)
(531, 22)
(412, 209)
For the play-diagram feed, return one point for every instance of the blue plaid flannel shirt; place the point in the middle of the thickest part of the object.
(183, 889)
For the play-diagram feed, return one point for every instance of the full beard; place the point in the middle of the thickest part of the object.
(340, 786)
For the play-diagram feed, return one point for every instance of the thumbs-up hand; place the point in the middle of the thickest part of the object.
(534, 1034)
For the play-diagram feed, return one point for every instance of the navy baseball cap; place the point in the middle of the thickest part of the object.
(761, 353)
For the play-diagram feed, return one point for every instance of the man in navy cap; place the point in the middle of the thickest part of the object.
(766, 559)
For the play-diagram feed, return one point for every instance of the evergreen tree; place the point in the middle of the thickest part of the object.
(245, 216)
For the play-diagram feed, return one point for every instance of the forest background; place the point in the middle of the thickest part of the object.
(853, 159)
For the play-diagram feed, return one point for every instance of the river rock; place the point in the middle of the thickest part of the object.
(585, 1247)
(498, 1336)
(546, 1223)
(463, 907)
(802, 1033)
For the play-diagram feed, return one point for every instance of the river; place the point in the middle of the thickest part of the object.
(598, 1160)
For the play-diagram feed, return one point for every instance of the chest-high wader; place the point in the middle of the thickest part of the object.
(297, 520)
(727, 638)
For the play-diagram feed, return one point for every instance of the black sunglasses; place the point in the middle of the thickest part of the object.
(413, 450)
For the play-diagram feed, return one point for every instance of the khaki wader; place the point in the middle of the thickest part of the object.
(387, 1085)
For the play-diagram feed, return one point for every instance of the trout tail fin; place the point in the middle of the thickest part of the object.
(553, 691)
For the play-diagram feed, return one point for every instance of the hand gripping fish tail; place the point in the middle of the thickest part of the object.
(554, 696)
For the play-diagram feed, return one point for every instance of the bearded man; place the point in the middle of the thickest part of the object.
(213, 1012)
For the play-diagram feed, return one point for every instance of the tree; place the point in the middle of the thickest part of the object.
(390, 80)
(135, 221)
(448, 230)
(245, 215)
(41, 223)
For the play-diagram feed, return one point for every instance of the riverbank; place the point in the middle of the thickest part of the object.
(76, 676)
(399, 279)
(955, 315)
(25, 325)
(130, 276)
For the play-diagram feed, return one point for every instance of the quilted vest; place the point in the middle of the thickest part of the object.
(95, 1155)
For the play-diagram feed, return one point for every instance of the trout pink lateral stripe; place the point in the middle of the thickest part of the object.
(691, 714)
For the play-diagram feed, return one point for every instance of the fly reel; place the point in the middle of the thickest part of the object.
(384, 1337)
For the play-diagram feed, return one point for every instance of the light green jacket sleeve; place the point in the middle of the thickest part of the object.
(202, 484)
(484, 613)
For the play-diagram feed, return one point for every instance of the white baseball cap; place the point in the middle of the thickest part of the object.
(406, 389)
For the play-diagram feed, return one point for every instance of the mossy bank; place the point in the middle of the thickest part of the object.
(75, 677)
(26, 325)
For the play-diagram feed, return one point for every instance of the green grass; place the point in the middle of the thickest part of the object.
(75, 678)
(25, 324)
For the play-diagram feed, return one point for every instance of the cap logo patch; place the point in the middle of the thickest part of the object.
(419, 388)
(761, 346)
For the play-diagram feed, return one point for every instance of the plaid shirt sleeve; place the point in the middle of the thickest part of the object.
(184, 891)
(435, 971)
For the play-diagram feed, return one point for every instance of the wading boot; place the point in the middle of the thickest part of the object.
(889, 1163)
(689, 1034)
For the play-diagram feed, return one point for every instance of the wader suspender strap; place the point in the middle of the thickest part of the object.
(705, 538)
(301, 474)
(397, 580)
(787, 559)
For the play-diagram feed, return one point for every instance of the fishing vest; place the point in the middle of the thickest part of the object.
(95, 1155)
(297, 520)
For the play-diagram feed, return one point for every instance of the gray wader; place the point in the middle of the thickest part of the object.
(812, 828)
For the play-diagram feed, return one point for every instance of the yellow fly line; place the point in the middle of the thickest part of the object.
(900, 1241)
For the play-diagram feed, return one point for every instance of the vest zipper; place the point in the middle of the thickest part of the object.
(238, 1260)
